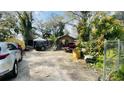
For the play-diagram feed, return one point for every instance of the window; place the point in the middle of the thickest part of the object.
(11, 47)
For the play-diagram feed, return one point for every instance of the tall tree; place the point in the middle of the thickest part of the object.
(25, 25)
(105, 26)
(7, 24)
(53, 26)
(120, 15)
(83, 26)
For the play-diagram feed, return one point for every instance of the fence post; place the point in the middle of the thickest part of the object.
(118, 60)
(104, 68)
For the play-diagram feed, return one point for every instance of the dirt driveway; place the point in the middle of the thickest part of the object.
(52, 66)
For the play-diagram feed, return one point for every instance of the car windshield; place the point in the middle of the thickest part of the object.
(39, 43)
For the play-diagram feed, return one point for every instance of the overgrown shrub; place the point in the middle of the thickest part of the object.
(99, 62)
(116, 76)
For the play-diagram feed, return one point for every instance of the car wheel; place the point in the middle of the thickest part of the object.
(14, 72)
(43, 48)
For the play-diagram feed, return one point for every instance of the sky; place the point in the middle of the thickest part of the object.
(45, 15)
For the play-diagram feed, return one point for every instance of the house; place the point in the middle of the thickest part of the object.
(64, 40)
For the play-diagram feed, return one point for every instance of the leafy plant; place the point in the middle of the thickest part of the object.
(121, 68)
(7, 25)
(99, 63)
(116, 76)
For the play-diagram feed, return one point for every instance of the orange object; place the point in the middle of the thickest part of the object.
(76, 54)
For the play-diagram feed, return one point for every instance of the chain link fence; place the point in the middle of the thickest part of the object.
(113, 57)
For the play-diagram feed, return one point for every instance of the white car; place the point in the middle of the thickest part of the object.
(10, 55)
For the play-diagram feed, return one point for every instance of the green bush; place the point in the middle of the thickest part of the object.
(121, 68)
(99, 65)
(116, 76)
(99, 62)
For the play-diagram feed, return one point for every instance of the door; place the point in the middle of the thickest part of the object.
(14, 50)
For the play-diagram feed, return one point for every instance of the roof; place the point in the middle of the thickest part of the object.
(39, 39)
(65, 36)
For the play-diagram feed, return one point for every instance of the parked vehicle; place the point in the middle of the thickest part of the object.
(10, 55)
(41, 46)
(69, 47)
(18, 49)
(18, 41)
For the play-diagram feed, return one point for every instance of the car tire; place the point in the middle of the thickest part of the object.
(14, 72)
(43, 48)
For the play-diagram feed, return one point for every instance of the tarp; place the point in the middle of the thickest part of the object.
(39, 39)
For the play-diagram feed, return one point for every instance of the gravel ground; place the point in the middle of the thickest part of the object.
(53, 66)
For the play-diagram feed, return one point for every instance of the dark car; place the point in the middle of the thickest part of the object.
(69, 47)
(41, 46)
